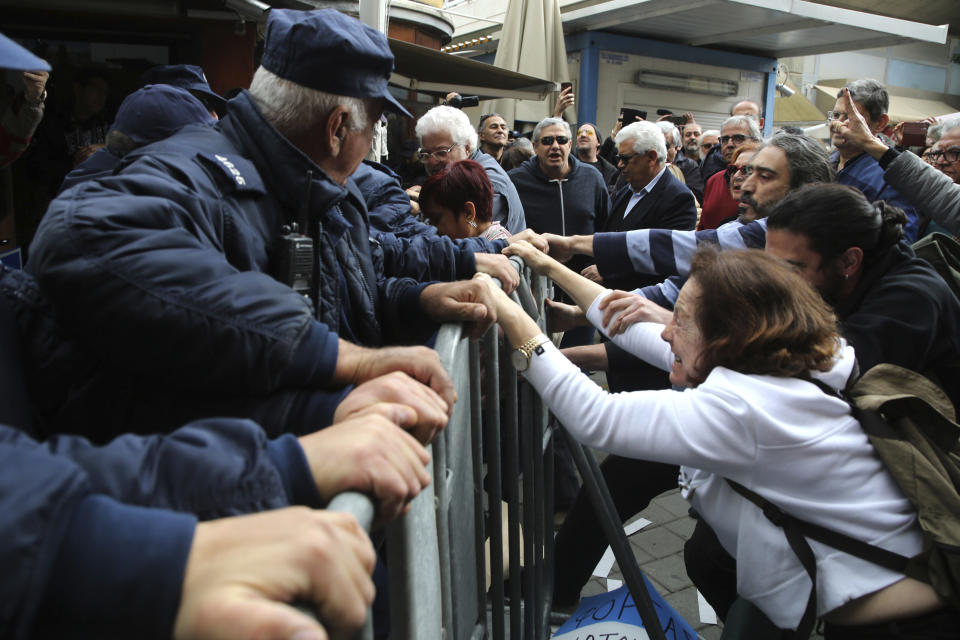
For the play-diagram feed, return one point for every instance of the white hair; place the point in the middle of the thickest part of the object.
(669, 127)
(949, 125)
(444, 119)
(746, 121)
(296, 110)
(646, 136)
(550, 122)
(710, 132)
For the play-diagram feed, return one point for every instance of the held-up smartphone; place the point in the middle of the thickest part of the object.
(565, 85)
(914, 134)
(629, 116)
(678, 121)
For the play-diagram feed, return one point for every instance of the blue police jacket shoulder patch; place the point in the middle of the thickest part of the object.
(235, 171)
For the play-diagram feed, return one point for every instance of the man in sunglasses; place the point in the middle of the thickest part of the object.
(587, 150)
(560, 194)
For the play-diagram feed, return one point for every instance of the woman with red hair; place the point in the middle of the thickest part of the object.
(458, 201)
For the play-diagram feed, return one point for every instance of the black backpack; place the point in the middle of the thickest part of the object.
(912, 425)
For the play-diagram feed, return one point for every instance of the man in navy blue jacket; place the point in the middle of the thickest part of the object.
(163, 271)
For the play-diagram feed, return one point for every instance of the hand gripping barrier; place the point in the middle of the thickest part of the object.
(494, 457)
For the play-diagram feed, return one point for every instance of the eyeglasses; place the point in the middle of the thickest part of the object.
(950, 155)
(738, 138)
(547, 141)
(733, 170)
(586, 132)
(626, 158)
(836, 115)
(439, 154)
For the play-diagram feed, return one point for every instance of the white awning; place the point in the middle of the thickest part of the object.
(771, 28)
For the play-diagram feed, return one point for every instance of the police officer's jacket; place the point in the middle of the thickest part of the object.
(163, 269)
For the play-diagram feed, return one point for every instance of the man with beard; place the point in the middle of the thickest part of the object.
(691, 141)
(493, 135)
(588, 146)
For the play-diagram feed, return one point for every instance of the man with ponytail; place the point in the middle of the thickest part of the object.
(893, 307)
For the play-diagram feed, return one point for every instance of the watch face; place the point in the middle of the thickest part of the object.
(520, 361)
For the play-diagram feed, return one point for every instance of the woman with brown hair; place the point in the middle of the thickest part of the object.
(745, 333)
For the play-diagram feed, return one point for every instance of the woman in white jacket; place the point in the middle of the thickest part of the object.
(744, 332)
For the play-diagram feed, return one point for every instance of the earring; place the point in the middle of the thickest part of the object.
(472, 223)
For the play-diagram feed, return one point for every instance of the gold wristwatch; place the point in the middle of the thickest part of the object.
(522, 354)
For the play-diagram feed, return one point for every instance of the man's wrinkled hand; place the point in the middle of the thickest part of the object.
(430, 411)
(242, 573)
(498, 266)
(370, 453)
(561, 247)
(34, 82)
(563, 317)
(421, 363)
(531, 236)
(465, 301)
(592, 273)
(532, 257)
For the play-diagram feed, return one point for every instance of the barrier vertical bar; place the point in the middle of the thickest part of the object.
(476, 432)
(491, 421)
(511, 483)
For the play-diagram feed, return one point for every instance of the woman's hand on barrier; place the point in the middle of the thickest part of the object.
(356, 365)
(243, 571)
(498, 266)
(382, 394)
(532, 257)
(462, 301)
(561, 317)
(622, 309)
(531, 236)
(516, 324)
(370, 453)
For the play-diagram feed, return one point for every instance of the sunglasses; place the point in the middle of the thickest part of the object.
(733, 170)
(586, 132)
(626, 158)
(737, 139)
(547, 141)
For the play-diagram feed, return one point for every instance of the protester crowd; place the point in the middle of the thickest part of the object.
(225, 314)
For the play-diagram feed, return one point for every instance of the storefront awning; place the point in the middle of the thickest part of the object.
(428, 71)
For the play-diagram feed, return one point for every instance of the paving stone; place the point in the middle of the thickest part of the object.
(659, 542)
(672, 502)
(657, 515)
(711, 632)
(669, 572)
(683, 527)
(685, 602)
(638, 551)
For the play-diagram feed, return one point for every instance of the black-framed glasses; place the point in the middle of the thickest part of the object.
(548, 140)
(950, 155)
(439, 154)
(626, 158)
(737, 138)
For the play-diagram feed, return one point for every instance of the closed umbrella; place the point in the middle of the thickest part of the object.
(531, 43)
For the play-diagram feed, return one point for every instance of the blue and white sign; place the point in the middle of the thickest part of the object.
(613, 616)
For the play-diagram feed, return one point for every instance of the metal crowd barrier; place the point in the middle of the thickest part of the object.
(497, 450)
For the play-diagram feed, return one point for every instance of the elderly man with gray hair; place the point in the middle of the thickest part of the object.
(652, 199)
(446, 136)
(689, 168)
(560, 194)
